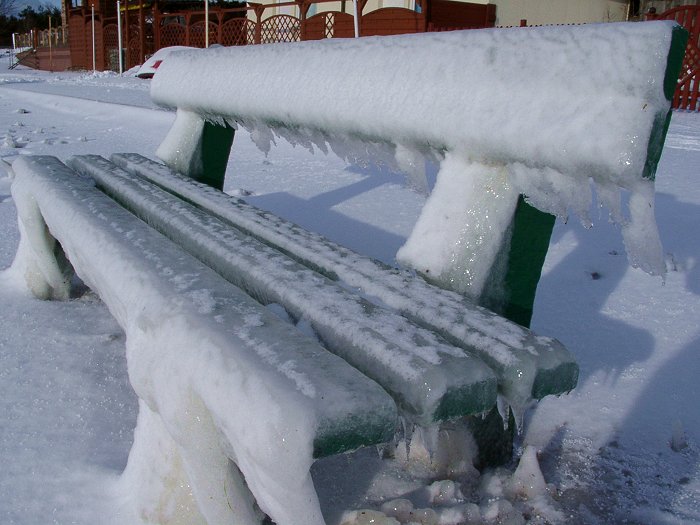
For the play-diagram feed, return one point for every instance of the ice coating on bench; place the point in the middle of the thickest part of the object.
(205, 359)
(526, 365)
(579, 102)
(429, 379)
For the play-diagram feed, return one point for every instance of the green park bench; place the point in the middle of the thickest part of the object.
(189, 272)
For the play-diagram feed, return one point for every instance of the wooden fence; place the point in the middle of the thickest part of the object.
(55, 37)
(46, 49)
(149, 27)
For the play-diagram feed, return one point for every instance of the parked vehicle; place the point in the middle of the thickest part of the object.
(150, 66)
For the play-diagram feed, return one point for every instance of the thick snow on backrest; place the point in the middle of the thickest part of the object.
(533, 111)
(575, 99)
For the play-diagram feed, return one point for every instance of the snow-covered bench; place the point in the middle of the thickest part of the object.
(514, 118)
(201, 352)
(204, 358)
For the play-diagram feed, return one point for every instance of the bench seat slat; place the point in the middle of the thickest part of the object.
(526, 364)
(429, 379)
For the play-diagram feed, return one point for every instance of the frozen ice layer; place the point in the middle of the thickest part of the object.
(526, 365)
(429, 379)
(221, 376)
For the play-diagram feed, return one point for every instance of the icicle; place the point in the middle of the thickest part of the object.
(431, 439)
(503, 410)
(641, 235)
(262, 137)
(381, 448)
(609, 197)
(519, 410)
(527, 481)
(407, 428)
(232, 123)
(412, 163)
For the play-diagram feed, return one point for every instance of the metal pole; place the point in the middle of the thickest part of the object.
(206, 23)
(119, 36)
(357, 24)
(94, 54)
(50, 48)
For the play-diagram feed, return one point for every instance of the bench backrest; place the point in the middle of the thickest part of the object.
(524, 106)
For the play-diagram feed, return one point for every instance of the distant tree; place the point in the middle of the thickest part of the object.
(26, 20)
(7, 7)
(30, 18)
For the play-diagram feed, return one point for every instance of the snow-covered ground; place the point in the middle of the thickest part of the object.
(624, 447)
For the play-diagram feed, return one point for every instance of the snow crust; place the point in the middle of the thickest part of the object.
(503, 498)
(591, 95)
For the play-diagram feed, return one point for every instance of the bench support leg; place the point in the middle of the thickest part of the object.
(217, 484)
(494, 440)
(197, 148)
(155, 483)
(458, 236)
(498, 267)
(192, 482)
(524, 254)
(497, 262)
(40, 258)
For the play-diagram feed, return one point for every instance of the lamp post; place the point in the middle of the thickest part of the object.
(50, 47)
